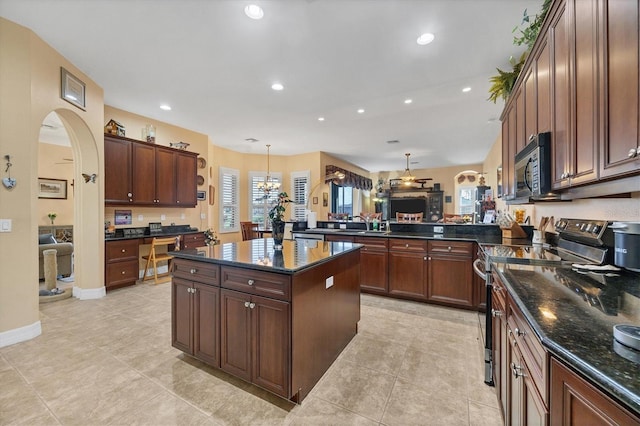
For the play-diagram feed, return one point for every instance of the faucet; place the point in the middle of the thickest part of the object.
(366, 219)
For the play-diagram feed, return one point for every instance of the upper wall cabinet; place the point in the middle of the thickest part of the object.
(144, 174)
(581, 82)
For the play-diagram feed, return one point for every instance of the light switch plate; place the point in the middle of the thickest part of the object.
(140, 218)
(163, 217)
(5, 225)
(203, 216)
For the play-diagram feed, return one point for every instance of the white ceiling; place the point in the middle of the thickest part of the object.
(215, 67)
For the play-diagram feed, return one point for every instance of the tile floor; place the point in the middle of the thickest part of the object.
(110, 362)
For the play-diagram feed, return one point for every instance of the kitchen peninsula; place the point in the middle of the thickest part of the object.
(277, 319)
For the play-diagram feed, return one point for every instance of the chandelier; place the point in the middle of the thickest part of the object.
(268, 185)
(407, 177)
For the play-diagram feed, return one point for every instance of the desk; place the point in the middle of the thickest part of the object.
(262, 231)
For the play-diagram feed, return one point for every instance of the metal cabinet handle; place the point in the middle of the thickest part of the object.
(632, 152)
(478, 266)
(519, 332)
(532, 137)
(516, 370)
(250, 282)
(496, 313)
(193, 270)
(252, 305)
(246, 304)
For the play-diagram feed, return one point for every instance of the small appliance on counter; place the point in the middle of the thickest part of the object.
(627, 245)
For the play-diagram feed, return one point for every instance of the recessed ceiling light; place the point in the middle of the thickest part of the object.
(165, 107)
(251, 140)
(254, 11)
(425, 38)
(320, 118)
(466, 89)
(360, 111)
(408, 101)
(277, 86)
(393, 141)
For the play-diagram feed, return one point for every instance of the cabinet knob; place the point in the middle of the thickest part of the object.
(496, 289)
(519, 332)
(129, 195)
(246, 304)
(633, 152)
(425, 258)
(123, 272)
(406, 245)
(449, 248)
(516, 370)
(178, 201)
(193, 270)
(496, 313)
(252, 305)
(124, 251)
(250, 282)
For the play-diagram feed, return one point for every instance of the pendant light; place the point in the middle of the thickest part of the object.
(407, 177)
(268, 185)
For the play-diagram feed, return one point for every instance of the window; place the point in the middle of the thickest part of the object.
(229, 200)
(299, 194)
(259, 205)
(466, 199)
(342, 199)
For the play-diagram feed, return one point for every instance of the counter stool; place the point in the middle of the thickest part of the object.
(156, 257)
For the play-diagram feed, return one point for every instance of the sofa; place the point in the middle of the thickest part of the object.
(64, 254)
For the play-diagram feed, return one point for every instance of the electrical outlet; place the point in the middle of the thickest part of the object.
(329, 282)
(163, 217)
(438, 229)
(203, 216)
(140, 218)
(5, 225)
(182, 216)
(343, 226)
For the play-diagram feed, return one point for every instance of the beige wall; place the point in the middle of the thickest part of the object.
(51, 165)
(30, 87)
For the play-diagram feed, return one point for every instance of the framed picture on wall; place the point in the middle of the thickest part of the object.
(72, 89)
(325, 199)
(52, 188)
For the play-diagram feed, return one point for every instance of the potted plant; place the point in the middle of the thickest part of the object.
(276, 216)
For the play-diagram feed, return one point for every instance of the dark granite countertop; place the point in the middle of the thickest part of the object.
(573, 314)
(144, 232)
(294, 257)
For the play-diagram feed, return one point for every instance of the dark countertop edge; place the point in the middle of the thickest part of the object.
(480, 239)
(164, 234)
(630, 400)
(189, 254)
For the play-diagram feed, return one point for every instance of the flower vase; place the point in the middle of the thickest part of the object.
(278, 259)
(277, 230)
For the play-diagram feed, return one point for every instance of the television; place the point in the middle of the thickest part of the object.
(408, 205)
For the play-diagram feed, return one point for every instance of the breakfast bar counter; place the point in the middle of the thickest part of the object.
(274, 318)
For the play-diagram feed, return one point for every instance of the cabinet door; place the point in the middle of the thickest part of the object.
(186, 187)
(117, 171)
(543, 75)
(451, 280)
(206, 323)
(235, 333)
(181, 315)
(499, 351)
(621, 143)
(144, 172)
(408, 274)
(575, 401)
(271, 337)
(373, 270)
(339, 238)
(561, 131)
(520, 137)
(530, 103)
(165, 177)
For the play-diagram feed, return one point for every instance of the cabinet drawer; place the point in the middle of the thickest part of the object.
(256, 282)
(206, 273)
(191, 241)
(121, 272)
(452, 247)
(378, 244)
(121, 250)
(414, 246)
(532, 351)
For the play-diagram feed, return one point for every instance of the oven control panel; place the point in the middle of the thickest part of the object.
(592, 232)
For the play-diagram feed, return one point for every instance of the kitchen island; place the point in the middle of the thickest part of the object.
(277, 319)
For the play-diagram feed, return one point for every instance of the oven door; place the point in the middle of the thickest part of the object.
(482, 268)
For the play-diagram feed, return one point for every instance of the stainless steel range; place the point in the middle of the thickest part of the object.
(578, 241)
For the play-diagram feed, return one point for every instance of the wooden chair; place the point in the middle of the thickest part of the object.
(409, 217)
(249, 230)
(155, 257)
(338, 216)
(371, 216)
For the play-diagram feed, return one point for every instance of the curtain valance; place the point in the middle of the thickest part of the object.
(351, 179)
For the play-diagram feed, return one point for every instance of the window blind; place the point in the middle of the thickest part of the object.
(229, 200)
(299, 194)
(260, 204)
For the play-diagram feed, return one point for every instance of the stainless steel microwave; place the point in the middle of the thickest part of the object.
(533, 168)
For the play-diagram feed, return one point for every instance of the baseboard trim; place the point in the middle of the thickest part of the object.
(21, 334)
(89, 293)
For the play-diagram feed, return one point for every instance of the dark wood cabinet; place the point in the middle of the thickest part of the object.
(509, 151)
(195, 307)
(408, 268)
(543, 87)
(121, 263)
(191, 241)
(521, 138)
(530, 87)
(500, 344)
(141, 173)
(620, 150)
(451, 274)
(339, 238)
(117, 171)
(255, 336)
(373, 264)
(574, 401)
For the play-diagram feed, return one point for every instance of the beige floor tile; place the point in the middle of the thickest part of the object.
(379, 355)
(317, 412)
(19, 404)
(355, 388)
(412, 405)
(427, 371)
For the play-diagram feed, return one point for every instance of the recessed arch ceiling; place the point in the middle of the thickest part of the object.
(215, 67)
